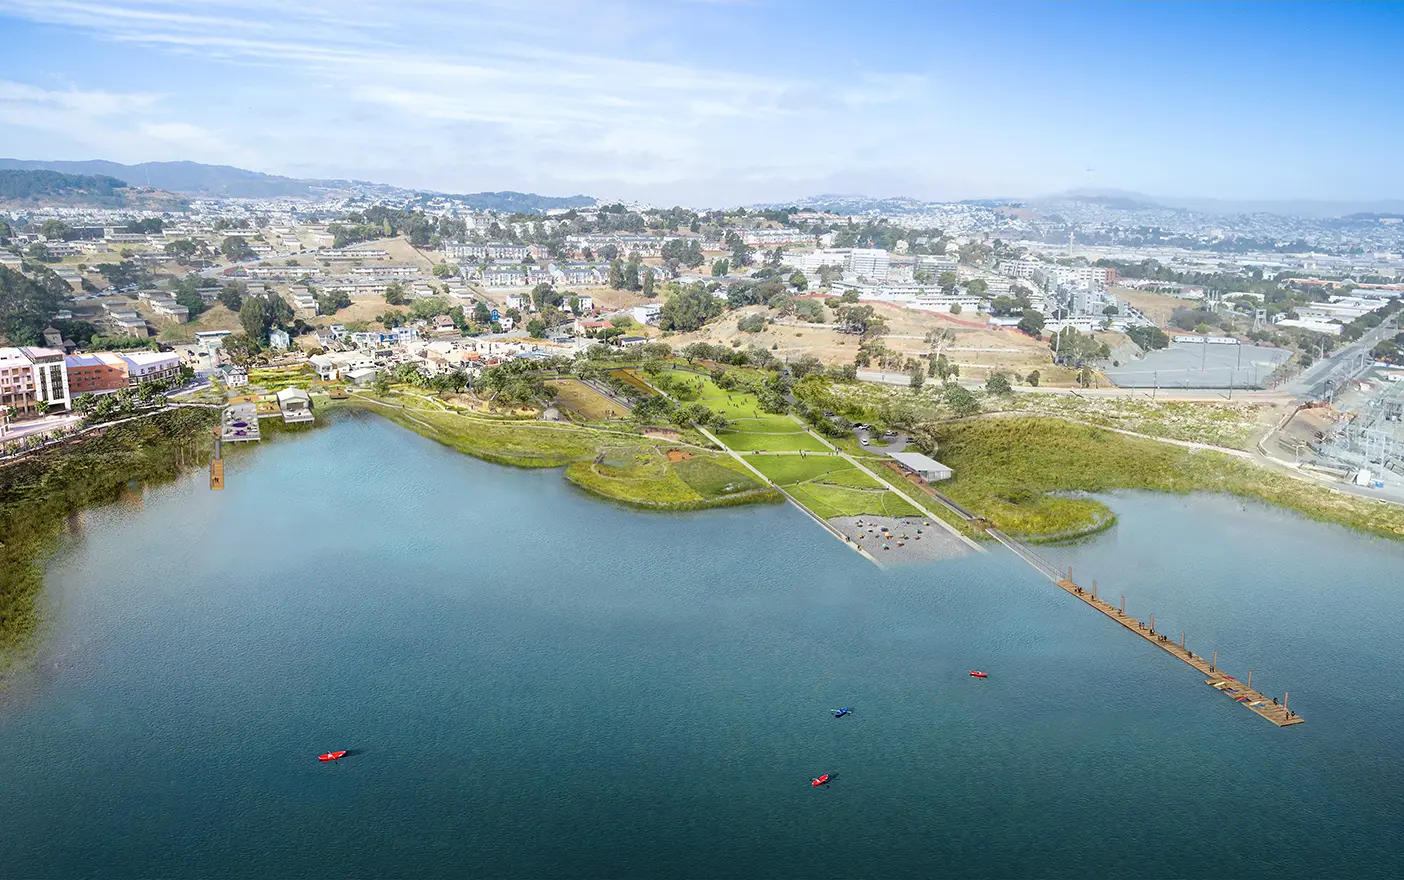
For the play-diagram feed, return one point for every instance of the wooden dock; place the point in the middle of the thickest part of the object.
(1240, 692)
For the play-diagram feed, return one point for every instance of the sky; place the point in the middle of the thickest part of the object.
(721, 102)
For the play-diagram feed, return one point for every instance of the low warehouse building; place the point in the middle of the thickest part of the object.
(924, 466)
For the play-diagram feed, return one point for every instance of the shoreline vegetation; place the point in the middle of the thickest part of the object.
(1025, 474)
(39, 493)
(1027, 467)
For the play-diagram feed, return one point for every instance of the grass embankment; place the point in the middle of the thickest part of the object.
(830, 486)
(38, 493)
(1009, 470)
(617, 465)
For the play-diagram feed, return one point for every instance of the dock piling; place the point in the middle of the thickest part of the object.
(1123, 604)
(1182, 640)
(1152, 624)
(1250, 678)
(1214, 665)
(1094, 588)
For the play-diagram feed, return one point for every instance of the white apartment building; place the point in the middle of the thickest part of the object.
(29, 375)
(869, 263)
(148, 366)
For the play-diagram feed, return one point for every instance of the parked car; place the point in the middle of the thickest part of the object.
(864, 441)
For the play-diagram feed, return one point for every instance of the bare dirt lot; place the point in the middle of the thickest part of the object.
(1157, 306)
(978, 351)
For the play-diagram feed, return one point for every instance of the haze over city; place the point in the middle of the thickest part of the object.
(714, 103)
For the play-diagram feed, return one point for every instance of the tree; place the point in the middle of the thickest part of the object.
(917, 380)
(998, 384)
(182, 249)
(252, 318)
(751, 324)
(395, 294)
(231, 296)
(444, 270)
(1149, 338)
(28, 304)
(616, 274)
(1032, 323)
(56, 230)
(1032, 378)
(481, 313)
(720, 268)
(648, 283)
(798, 281)
(85, 403)
(689, 309)
(948, 281)
(236, 249)
(978, 286)
(536, 328)
(960, 400)
(331, 303)
(938, 339)
(741, 253)
(240, 348)
(955, 308)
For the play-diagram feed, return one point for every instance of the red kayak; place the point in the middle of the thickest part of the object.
(819, 780)
(332, 756)
(975, 673)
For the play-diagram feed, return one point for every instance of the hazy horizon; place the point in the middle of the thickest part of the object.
(711, 103)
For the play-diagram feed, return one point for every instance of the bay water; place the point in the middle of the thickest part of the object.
(533, 683)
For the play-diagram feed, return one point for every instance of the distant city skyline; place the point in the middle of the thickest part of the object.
(710, 103)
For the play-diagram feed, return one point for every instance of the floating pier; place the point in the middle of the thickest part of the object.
(1241, 692)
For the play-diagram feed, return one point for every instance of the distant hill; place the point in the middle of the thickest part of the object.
(524, 203)
(192, 178)
(37, 185)
(225, 181)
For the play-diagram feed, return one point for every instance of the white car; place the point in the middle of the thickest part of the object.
(864, 441)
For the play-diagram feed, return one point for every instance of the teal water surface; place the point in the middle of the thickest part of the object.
(535, 684)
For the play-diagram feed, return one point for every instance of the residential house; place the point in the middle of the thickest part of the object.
(648, 313)
(279, 340)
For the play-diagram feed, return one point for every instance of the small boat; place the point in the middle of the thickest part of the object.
(332, 756)
(975, 673)
(819, 780)
(839, 713)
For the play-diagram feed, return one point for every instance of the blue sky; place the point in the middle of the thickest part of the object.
(725, 101)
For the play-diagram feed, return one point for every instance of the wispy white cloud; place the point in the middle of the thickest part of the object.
(441, 90)
(121, 125)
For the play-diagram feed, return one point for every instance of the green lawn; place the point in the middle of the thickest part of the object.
(764, 424)
(830, 501)
(716, 477)
(787, 469)
(746, 442)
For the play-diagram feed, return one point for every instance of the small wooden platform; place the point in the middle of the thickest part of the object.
(1238, 691)
(217, 473)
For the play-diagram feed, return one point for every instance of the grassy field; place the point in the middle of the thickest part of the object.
(745, 441)
(617, 465)
(1010, 470)
(829, 501)
(787, 469)
(585, 401)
